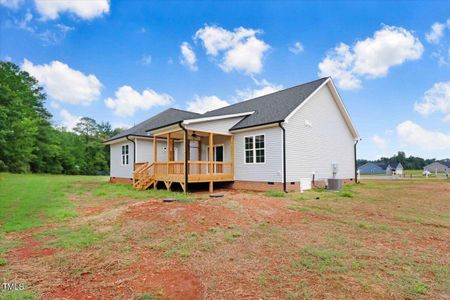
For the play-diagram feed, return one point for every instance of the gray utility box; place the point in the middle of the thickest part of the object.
(335, 184)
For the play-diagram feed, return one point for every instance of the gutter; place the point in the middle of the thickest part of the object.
(356, 169)
(186, 159)
(127, 135)
(284, 155)
(134, 151)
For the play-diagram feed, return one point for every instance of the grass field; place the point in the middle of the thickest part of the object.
(77, 237)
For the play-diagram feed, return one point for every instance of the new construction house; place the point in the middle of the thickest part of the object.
(284, 140)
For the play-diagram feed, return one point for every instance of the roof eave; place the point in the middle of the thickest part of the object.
(108, 142)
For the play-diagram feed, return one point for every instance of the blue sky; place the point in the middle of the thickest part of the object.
(124, 61)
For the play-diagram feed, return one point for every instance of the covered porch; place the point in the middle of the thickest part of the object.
(188, 156)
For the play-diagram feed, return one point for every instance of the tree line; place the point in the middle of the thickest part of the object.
(408, 163)
(29, 142)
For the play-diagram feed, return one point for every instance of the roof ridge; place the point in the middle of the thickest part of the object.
(191, 112)
(276, 92)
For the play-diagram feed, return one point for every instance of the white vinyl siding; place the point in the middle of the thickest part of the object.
(144, 150)
(218, 126)
(271, 169)
(117, 169)
(317, 136)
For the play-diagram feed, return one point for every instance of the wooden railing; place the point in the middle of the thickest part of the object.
(197, 170)
(142, 174)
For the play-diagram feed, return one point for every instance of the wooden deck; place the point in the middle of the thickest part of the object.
(171, 170)
(149, 174)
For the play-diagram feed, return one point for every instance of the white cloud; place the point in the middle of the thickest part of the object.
(7, 58)
(50, 9)
(238, 50)
(413, 134)
(49, 35)
(68, 120)
(436, 99)
(188, 57)
(55, 36)
(127, 100)
(379, 141)
(146, 59)
(205, 103)
(264, 88)
(436, 33)
(24, 23)
(372, 57)
(442, 51)
(121, 125)
(11, 4)
(338, 63)
(297, 48)
(65, 84)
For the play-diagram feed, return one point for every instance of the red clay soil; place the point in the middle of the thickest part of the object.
(197, 217)
(204, 214)
(91, 210)
(145, 276)
(31, 248)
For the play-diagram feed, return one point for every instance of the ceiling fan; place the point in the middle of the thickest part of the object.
(195, 136)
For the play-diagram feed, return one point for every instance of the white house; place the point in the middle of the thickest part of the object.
(438, 167)
(278, 141)
(394, 168)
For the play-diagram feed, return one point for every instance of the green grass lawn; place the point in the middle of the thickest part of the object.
(30, 200)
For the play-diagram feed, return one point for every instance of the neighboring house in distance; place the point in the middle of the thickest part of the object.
(394, 168)
(381, 168)
(277, 141)
(371, 168)
(438, 167)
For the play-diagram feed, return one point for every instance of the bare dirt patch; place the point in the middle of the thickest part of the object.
(387, 240)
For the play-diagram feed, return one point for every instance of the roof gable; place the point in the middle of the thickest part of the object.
(167, 117)
(269, 108)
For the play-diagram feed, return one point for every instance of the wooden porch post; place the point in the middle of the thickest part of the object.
(210, 159)
(168, 153)
(232, 155)
(199, 156)
(155, 152)
(186, 161)
(168, 148)
(155, 159)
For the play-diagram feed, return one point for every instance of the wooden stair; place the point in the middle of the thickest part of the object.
(143, 177)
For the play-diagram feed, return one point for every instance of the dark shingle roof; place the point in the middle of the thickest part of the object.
(167, 117)
(445, 163)
(267, 109)
(384, 165)
(270, 108)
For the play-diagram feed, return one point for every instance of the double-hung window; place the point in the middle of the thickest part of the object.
(125, 156)
(254, 149)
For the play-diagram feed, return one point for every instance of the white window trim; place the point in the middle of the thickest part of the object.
(124, 155)
(254, 149)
